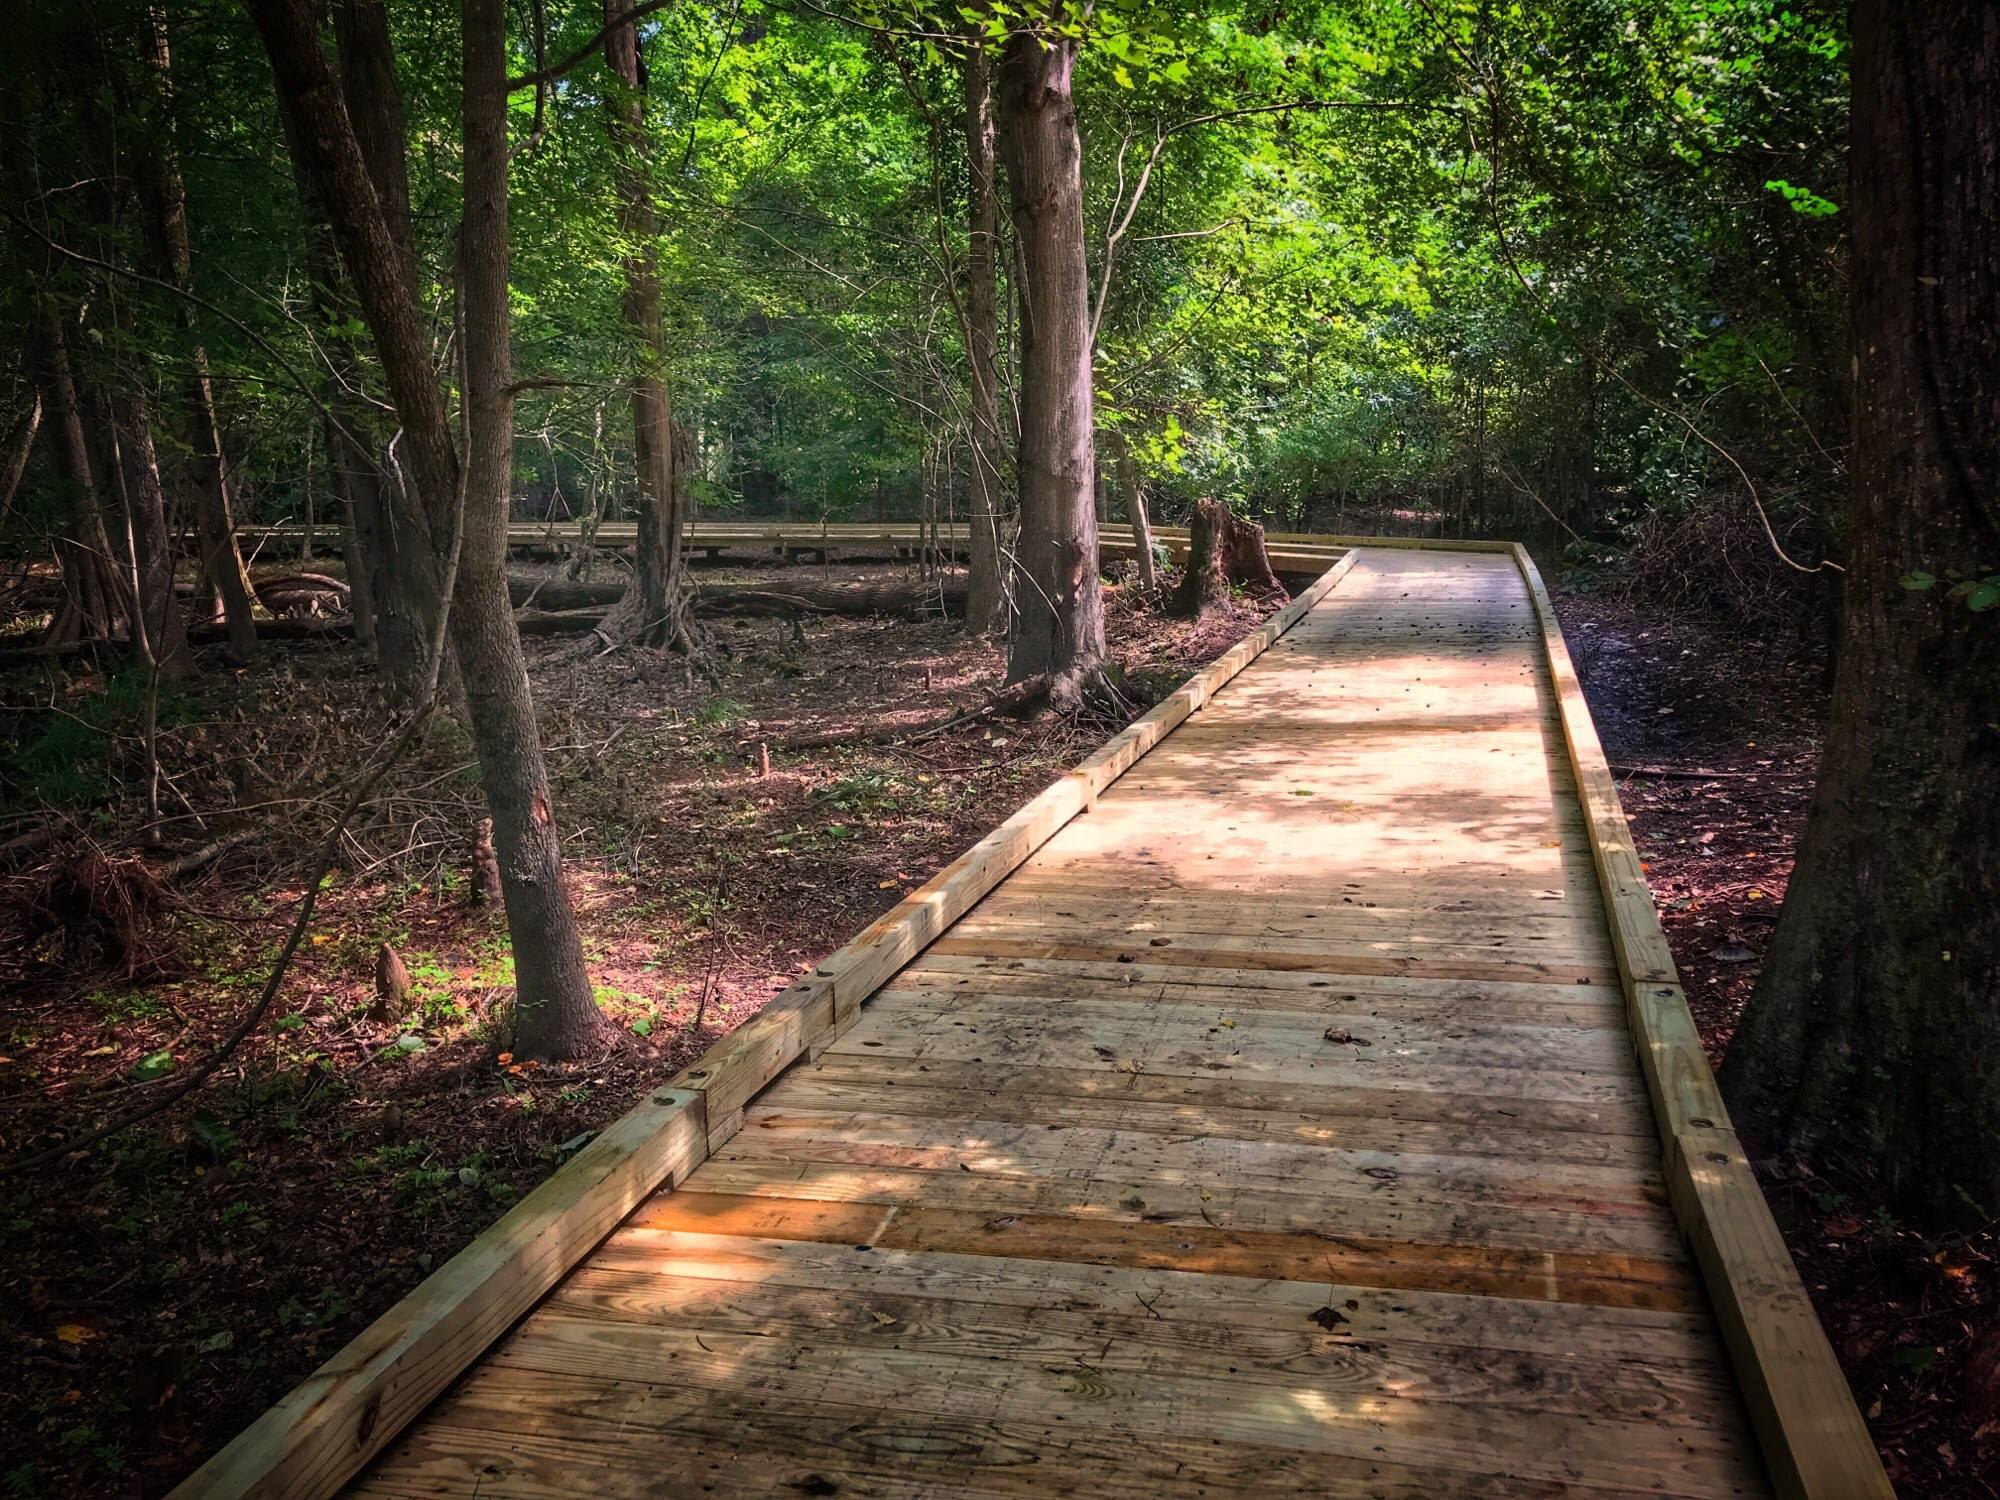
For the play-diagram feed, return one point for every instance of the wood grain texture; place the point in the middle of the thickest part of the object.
(312, 1442)
(1303, 1108)
(1268, 1101)
(1812, 1435)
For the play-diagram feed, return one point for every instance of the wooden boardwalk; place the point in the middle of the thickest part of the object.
(1292, 553)
(1274, 1129)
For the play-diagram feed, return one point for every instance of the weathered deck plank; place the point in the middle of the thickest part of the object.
(1274, 1130)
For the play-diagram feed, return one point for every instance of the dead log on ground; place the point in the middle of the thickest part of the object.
(524, 592)
(303, 593)
(791, 600)
(576, 609)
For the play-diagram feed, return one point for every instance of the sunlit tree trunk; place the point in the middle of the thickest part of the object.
(1058, 605)
(986, 596)
(653, 609)
(1133, 486)
(555, 1014)
(555, 1010)
(1875, 1027)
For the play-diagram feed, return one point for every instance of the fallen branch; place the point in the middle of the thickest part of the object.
(1676, 773)
(1014, 699)
(207, 854)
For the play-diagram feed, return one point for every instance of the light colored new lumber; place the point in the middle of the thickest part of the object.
(514, 1434)
(1686, 1459)
(322, 1433)
(757, 1052)
(1628, 1119)
(1812, 1435)
(1231, 1305)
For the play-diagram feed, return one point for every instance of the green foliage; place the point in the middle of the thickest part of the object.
(153, 1065)
(64, 757)
(1436, 264)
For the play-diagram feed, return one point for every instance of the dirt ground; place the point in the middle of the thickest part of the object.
(1716, 738)
(162, 1291)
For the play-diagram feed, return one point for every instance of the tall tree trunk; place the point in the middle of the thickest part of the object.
(1132, 484)
(654, 609)
(331, 155)
(158, 629)
(204, 476)
(374, 102)
(393, 574)
(1875, 1028)
(94, 601)
(21, 450)
(555, 1014)
(1058, 604)
(555, 1009)
(987, 607)
(390, 566)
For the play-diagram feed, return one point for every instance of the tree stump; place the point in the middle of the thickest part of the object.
(1223, 549)
(485, 866)
(392, 986)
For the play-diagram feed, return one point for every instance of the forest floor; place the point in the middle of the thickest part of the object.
(1715, 736)
(159, 1294)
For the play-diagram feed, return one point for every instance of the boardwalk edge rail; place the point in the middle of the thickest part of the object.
(1814, 1442)
(328, 1428)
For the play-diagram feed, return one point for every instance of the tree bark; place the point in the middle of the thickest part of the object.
(21, 450)
(158, 628)
(204, 477)
(986, 609)
(1058, 629)
(330, 156)
(654, 609)
(391, 582)
(554, 1006)
(374, 102)
(1223, 549)
(95, 599)
(1875, 1027)
(1205, 579)
(554, 1012)
(1133, 486)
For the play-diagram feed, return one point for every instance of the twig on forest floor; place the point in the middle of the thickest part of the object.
(1677, 773)
(187, 1083)
(364, 785)
(207, 854)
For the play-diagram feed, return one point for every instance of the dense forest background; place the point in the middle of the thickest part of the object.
(1566, 271)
